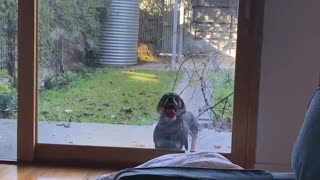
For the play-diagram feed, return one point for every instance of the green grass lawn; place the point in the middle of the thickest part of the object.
(112, 95)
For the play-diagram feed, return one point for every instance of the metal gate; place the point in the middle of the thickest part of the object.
(214, 21)
(155, 28)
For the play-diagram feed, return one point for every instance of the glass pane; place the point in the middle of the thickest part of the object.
(105, 65)
(8, 79)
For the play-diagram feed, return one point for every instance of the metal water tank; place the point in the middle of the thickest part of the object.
(119, 36)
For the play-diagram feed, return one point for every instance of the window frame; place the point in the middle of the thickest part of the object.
(246, 97)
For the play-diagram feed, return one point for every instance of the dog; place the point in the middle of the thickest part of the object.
(174, 125)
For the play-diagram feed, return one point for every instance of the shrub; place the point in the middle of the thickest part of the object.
(8, 104)
(4, 89)
(71, 20)
(146, 53)
(91, 58)
(60, 81)
(83, 70)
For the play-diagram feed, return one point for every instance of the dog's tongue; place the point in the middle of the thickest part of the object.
(170, 113)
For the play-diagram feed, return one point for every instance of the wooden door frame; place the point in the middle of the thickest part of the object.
(27, 79)
(249, 45)
(247, 82)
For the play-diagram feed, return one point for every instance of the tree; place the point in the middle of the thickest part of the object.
(76, 21)
(8, 30)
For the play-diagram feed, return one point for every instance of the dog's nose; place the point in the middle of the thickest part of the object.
(170, 99)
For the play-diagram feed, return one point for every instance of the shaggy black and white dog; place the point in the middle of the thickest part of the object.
(174, 125)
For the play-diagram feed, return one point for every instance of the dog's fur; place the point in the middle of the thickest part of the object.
(174, 125)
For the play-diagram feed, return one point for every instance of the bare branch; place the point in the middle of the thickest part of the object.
(222, 100)
(224, 107)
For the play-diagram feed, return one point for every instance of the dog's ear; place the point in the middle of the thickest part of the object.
(161, 102)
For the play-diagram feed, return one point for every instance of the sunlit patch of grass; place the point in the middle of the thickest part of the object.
(109, 96)
(145, 77)
(149, 75)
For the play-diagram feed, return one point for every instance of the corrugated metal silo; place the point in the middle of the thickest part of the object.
(119, 37)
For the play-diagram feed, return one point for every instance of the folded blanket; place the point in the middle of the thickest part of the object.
(195, 160)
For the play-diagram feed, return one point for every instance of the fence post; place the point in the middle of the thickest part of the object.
(174, 37)
(181, 26)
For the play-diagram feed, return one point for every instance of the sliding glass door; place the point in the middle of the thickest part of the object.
(99, 69)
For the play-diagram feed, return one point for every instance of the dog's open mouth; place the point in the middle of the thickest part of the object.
(170, 107)
(170, 111)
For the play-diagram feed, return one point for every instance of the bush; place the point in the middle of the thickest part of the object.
(8, 105)
(91, 59)
(72, 20)
(4, 89)
(84, 71)
(60, 81)
(146, 53)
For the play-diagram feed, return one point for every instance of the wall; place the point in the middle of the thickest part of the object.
(289, 75)
(211, 25)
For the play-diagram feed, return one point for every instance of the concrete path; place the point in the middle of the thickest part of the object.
(96, 134)
(193, 96)
(8, 139)
(121, 136)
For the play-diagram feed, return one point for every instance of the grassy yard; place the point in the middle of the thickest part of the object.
(113, 95)
(4, 85)
(223, 83)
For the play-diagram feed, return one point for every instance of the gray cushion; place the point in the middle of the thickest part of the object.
(306, 152)
(178, 173)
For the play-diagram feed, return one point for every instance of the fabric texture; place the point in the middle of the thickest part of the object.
(194, 159)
